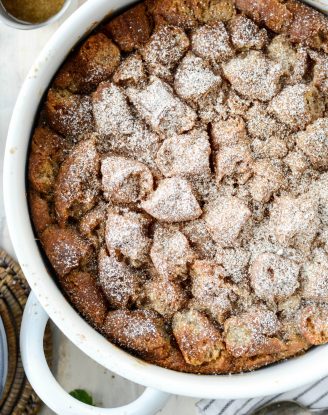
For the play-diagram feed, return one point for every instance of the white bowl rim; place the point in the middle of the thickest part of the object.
(274, 379)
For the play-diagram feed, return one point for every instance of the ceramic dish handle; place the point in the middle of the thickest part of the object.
(46, 386)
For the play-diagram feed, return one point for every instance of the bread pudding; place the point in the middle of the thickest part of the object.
(178, 181)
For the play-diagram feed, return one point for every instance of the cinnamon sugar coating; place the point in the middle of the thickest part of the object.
(77, 185)
(118, 281)
(178, 181)
(40, 212)
(48, 151)
(131, 29)
(94, 62)
(84, 293)
(141, 331)
(198, 339)
(66, 249)
(68, 114)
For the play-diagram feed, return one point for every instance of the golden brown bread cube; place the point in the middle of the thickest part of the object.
(272, 148)
(225, 218)
(86, 296)
(172, 201)
(187, 13)
(320, 70)
(161, 109)
(171, 253)
(210, 11)
(314, 143)
(273, 13)
(235, 161)
(77, 184)
(68, 114)
(273, 277)
(92, 224)
(262, 125)
(245, 34)
(40, 212)
(252, 333)
(140, 331)
(112, 113)
(315, 284)
(297, 162)
(176, 12)
(297, 105)
(268, 179)
(165, 48)
(236, 105)
(185, 155)
(212, 42)
(254, 75)
(119, 282)
(125, 180)
(198, 339)
(314, 323)
(293, 59)
(65, 249)
(194, 78)
(235, 262)
(131, 29)
(295, 220)
(166, 297)
(47, 152)
(200, 238)
(126, 234)
(131, 71)
(209, 286)
(94, 62)
(308, 25)
(228, 132)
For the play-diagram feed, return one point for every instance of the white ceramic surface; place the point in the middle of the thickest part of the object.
(274, 379)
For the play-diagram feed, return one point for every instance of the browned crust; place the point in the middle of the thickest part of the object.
(308, 26)
(40, 212)
(69, 115)
(189, 13)
(66, 249)
(141, 331)
(300, 22)
(93, 63)
(229, 364)
(47, 152)
(86, 296)
(131, 29)
(272, 13)
(78, 171)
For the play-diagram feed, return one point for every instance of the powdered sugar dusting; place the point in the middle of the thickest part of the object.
(201, 194)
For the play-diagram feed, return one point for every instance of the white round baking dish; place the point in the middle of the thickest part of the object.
(49, 301)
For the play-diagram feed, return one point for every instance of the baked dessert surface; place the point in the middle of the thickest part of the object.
(178, 181)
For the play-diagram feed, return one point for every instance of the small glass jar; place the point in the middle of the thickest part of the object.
(10, 20)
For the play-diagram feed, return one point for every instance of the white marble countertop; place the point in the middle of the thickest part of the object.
(71, 368)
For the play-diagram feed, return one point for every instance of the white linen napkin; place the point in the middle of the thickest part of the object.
(312, 396)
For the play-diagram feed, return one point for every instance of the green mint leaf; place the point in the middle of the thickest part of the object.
(82, 395)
